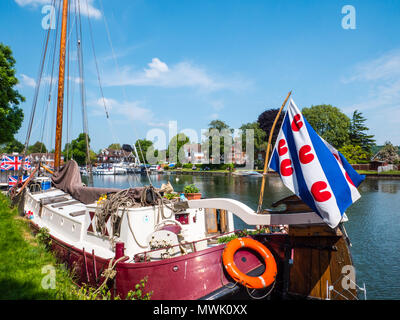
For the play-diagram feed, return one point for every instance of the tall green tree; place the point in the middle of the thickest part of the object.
(12, 146)
(77, 150)
(38, 147)
(175, 151)
(217, 132)
(11, 115)
(259, 139)
(265, 121)
(358, 133)
(114, 146)
(142, 146)
(330, 123)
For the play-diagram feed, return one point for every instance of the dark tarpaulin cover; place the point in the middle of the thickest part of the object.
(68, 179)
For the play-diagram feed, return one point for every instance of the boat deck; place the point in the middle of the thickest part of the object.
(65, 217)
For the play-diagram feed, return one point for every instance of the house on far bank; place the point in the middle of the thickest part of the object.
(124, 154)
(46, 158)
(193, 153)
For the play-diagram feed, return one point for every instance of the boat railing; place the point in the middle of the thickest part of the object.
(143, 256)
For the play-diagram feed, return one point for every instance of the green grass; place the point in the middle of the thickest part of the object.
(393, 172)
(23, 258)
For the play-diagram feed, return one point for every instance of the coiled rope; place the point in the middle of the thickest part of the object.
(123, 200)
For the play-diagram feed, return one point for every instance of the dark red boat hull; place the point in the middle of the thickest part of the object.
(189, 277)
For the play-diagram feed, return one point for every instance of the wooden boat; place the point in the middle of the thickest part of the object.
(178, 246)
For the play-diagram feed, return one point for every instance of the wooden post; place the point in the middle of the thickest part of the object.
(61, 78)
(260, 201)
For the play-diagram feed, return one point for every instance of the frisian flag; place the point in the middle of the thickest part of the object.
(314, 170)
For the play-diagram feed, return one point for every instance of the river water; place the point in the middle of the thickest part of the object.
(373, 226)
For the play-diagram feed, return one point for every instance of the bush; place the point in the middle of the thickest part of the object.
(354, 154)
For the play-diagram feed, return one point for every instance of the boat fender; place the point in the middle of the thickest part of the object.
(263, 281)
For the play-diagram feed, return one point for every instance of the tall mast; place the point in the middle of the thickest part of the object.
(61, 78)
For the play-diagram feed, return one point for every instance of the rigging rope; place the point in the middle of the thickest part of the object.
(51, 78)
(82, 87)
(38, 81)
(123, 87)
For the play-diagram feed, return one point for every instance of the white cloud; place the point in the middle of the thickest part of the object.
(27, 81)
(381, 75)
(86, 6)
(157, 67)
(129, 109)
(182, 74)
(380, 80)
(385, 67)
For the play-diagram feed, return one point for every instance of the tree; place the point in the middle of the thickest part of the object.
(217, 131)
(142, 145)
(330, 123)
(259, 137)
(265, 121)
(114, 146)
(218, 124)
(358, 135)
(354, 153)
(389, 153)
(38, 147)
(175, 152)
(12, 146)
(11, 116)
(77, 150)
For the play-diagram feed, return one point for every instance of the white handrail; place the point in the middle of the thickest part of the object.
(250, 217)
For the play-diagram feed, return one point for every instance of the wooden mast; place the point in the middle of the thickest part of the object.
(61, 78)
(260, 201)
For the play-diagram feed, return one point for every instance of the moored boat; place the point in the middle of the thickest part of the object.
(247, 173)
(185, 248)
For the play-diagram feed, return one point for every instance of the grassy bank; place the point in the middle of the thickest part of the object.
(367, 172)
(28, 271)
(23, 258)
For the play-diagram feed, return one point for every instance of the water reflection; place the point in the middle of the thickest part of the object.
(388, 187)
(379, 185)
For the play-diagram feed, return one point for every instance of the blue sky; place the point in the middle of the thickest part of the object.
(196, 61)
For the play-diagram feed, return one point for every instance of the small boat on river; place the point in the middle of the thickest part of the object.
(247, 173)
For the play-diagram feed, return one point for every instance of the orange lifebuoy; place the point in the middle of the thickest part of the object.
(263, 281)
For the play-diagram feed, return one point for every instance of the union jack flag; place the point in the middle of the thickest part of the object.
(314, 170)
(14, 180)
(27, 164)
(11, 163)
(14, 163)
